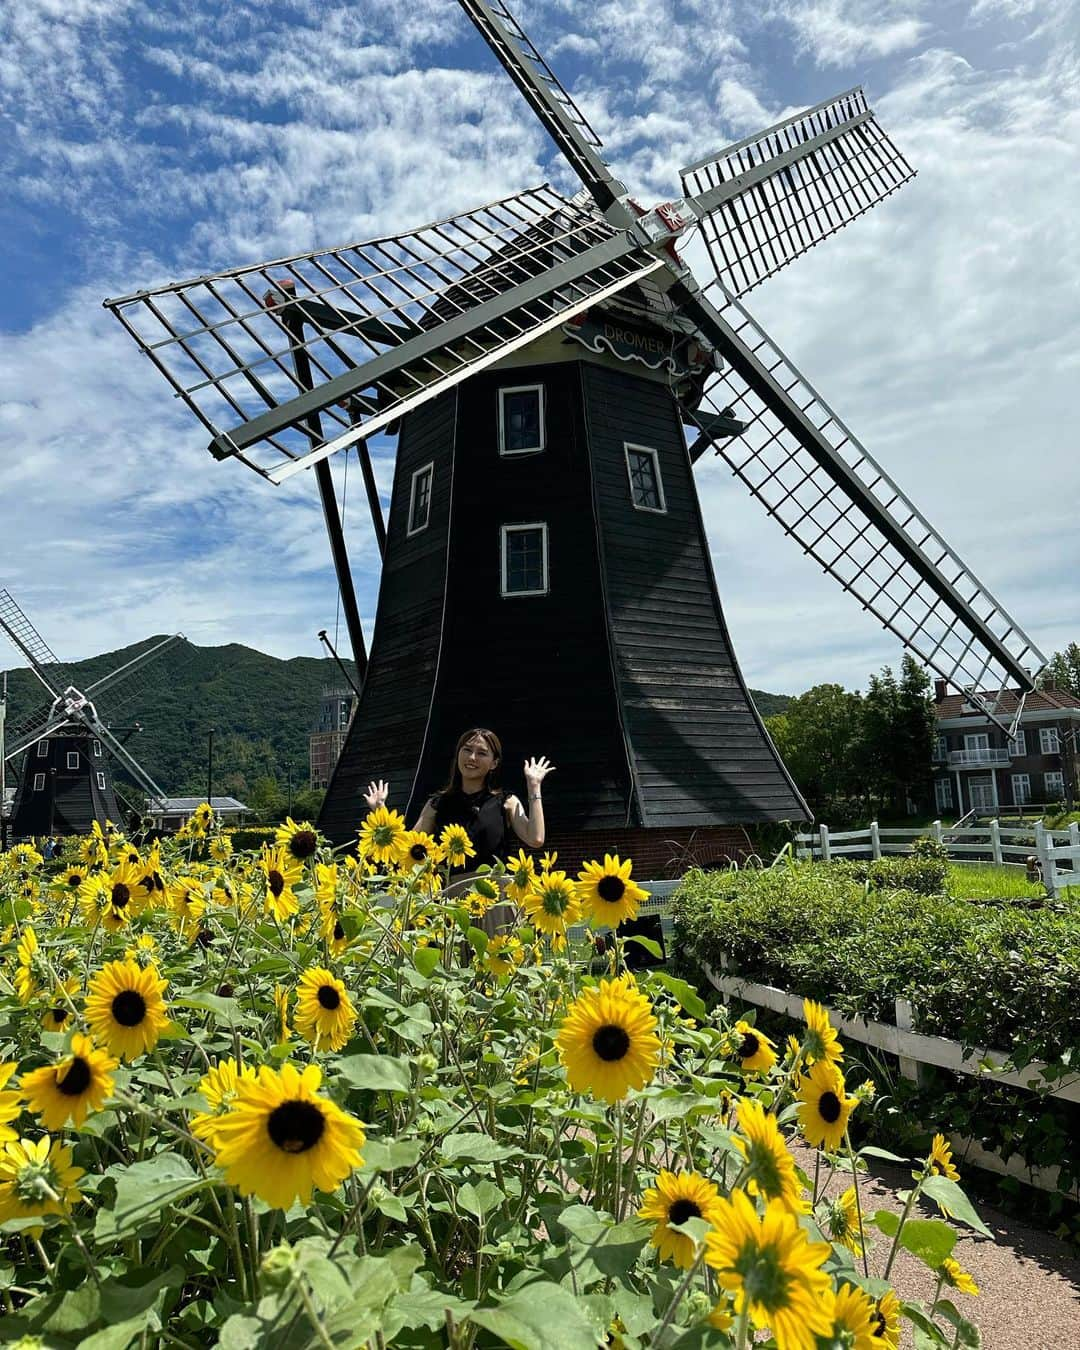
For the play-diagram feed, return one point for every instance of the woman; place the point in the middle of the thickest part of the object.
(473, 798)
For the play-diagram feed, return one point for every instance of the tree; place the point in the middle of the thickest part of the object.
(817, 737)
(266, 799)
(1063, 671)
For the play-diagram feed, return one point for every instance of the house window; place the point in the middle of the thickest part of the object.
(1049, 743)
(943, 794)
(1054, 786)
(39, 782)
(524, 559)
(97, 749)
(521, 420)
(42, 749)
(1021, 788)
(1018, 744)
(420, 499)
(939, 753)
(73, 759)
(646, 488)
(101, 781)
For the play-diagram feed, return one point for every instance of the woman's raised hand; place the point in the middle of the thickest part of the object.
(536, 770)
(377, 794)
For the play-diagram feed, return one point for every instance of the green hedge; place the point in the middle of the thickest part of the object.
(985, 975)
(924, 876)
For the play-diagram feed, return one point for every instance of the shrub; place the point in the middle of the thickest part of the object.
(926, 846)
(923, 875)
(253, 836)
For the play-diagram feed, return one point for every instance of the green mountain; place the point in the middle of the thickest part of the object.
(262, 710)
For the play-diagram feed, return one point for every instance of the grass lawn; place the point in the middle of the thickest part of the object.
(986, 881)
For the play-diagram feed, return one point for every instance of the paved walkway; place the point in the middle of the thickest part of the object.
(1029, 1281)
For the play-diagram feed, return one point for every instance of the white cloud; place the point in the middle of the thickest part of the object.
(841, 32)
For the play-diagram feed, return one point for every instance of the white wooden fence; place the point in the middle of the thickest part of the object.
(1057, 851)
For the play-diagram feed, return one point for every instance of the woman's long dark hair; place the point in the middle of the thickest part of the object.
(491, 782)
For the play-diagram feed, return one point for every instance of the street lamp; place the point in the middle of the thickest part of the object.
(210, 767)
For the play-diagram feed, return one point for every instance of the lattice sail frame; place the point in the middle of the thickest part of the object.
(800, 198)
(384, 325)
(839, 533)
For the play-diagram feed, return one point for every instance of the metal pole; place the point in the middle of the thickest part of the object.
(210, 767)
(340, 665)
(52, 798)
(356, 416)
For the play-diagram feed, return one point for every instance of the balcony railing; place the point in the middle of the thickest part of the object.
(983, 758)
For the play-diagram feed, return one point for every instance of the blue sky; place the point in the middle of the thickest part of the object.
(147, 142)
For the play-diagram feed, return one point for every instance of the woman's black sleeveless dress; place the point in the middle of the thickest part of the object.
(483, 814)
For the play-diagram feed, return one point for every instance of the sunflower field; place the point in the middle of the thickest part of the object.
(306, 1097)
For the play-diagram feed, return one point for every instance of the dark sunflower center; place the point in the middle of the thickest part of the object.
(878, 1325)
(610, 1043)
(611, 889)
(120, 895)
(77, 1079)
(682, 1210)
(296, 1126)
(275, 881)
(329, 997)
(339, 932)
(418, 853)
(829, 1107)
(59, 1014)
(750, 1046)
(75, 880)
(303, 844)
(129, 1007)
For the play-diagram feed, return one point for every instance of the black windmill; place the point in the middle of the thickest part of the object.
(554, 371)
(67, 749)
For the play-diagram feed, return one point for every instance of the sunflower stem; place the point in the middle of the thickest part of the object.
(742, 1326)
(676, 1299)
(313, 1317)
(858, 1202)
(909, 1204)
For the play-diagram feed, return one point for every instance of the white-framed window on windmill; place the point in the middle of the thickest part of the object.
(73, 759)
(1049, 741)
(39, 782)
(523, 560)
(943, 794)
(101, 781)
(42, 749)
(1018, 744)
(1054, 786)
(420, 499)
(1021, 788)
(646, 485)
(522, 429)
(97, 748)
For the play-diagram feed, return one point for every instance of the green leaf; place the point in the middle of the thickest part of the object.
(422, 1307)
(954, 1203)
(376, 1073)
(468, 1147)
(688, 997)
(887, 1221)
(542, 1316)
(425, 959)
(872, 1151)
(928, 1239)
(121, 1301)
(968, 1334)
(480, 1199)
(650, 944)
(380, 1156)
(224, 1009)
(143, 1190)
(389, 1204)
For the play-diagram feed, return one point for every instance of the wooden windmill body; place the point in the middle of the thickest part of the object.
(554, 371)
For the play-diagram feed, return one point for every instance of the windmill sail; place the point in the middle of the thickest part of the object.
(767, 199)
(385, 325)
(824, 489)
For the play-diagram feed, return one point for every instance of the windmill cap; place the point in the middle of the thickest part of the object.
(283, 289)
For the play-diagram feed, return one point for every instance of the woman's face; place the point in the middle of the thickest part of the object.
(475, 759)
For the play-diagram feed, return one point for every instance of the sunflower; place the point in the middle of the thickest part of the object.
(841, 1222)
(112, 898)
(201, 818)
(71, 1089)
(608, 1040)
(125, 1008)
(300, 840)
(722, 1317)
(676, 1197)
(553, 905)
(755, 1052)
(820, 1041)
(853, 1316)
(940, 1162)
(824, 1107)
(279, 1138)
(520, 876)
(770, 1168)
(10, 1103)
(58, 1016)
(503, 955)
(607, 894)
(282, 872)
(71, 878)
(457, 847)
(26, 977)
(324, 1012)
(143, 950)
(773, 1270)
(221, 848)
(152, 883)
(281, 1014)
(381, 835)
(29, 1170)
(956, 1277)
(418, 849)
(218, 1085)
(24, 857)
(885, 1320)
(91, 848)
